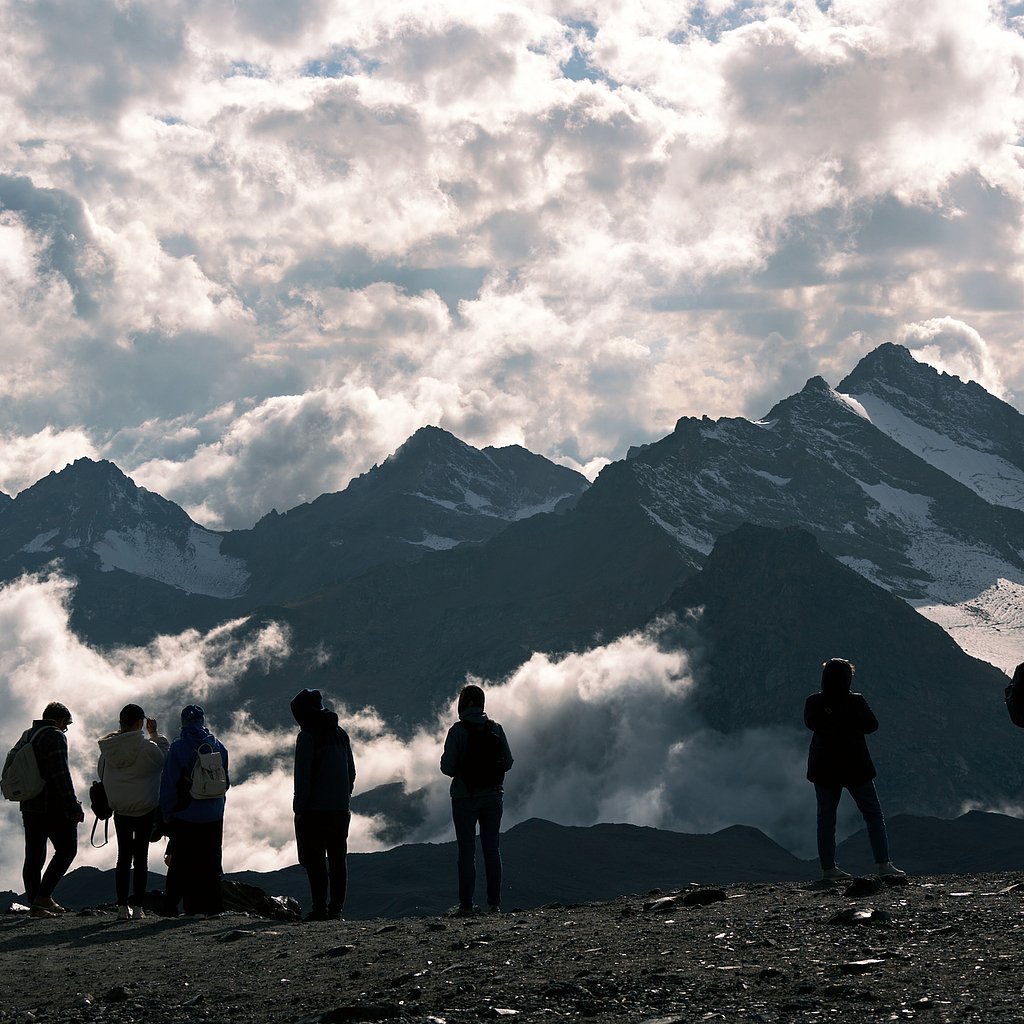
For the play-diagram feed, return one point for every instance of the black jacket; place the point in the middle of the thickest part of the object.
(839, 753)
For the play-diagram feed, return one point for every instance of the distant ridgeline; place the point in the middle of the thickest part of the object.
(812, 533)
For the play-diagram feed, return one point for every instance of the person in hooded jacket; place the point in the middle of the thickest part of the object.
(325, 774)
(477, 794)
(130, 765)
(838, 759)
(195, 826)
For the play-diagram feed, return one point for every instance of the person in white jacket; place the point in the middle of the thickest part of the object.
(129, 766)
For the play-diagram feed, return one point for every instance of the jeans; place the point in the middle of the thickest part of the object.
(63, 833)
(466, 812)
(867, 803)
(322, 841)
(133, 835)
(197, 864)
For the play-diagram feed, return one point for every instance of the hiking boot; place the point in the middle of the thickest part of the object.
(124, 912)
(316, 915)
(139, 914)
(889, 870)
(464, 910)
(835, 874)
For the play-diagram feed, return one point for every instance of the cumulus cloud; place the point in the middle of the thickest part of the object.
(957, 348)
(564, 225)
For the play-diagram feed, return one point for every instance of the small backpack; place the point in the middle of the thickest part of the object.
(100, 806)
(482, 766)
(1015, 697)
(209, 779)
(21, 779)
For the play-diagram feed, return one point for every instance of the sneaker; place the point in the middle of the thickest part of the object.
(835, 874)
(889, 870)
(139, 914)
(493, 908)
(464, 910)
(41, 912)
(124, 913)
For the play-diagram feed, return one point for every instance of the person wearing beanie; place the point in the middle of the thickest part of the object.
(195, 822)
(325, 774)
(130, 765)
(838, 759)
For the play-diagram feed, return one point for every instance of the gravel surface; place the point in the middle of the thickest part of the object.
(942, 949)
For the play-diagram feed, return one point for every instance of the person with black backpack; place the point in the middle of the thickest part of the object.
(52, 814)
(476, 756)
(192, 797)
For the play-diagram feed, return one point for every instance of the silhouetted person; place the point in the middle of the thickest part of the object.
(476, 756)
(838, 759)
(53, 815)
(195, 825)
(324, 776)
(130, 765)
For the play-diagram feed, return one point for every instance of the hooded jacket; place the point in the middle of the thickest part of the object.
(456, 744)
(325, 771)
(840, 719)
(130, 765)
(181, 759)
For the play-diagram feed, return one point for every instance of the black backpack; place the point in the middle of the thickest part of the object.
(1015, 697)
(100, 806)
(482, 765)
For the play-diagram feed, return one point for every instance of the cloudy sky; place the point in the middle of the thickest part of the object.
(246, 248)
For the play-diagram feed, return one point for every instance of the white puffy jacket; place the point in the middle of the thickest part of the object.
(130, 764)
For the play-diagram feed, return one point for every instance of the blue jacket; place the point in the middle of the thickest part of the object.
(325, 771)
(181, 758)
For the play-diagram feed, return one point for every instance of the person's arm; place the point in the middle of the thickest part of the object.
(52, 758)
(818, 716)
(351, 766)
(508, 760)
(224, 758)
(169, 784)
(303, 772)
(452, 753)
(863, 715)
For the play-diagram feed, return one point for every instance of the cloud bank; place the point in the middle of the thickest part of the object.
(242, 237)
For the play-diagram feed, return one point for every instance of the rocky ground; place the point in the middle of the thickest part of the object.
(940, 949)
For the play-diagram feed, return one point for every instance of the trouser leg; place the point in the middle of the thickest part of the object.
(124, 833)
(828, 803)
(489, 815)
(866, 799)
(464, 819)
(63, 834)
(35, 853)
(142, 830)
(312, 850)
(337, 860)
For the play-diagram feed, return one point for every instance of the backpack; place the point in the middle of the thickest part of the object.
(21, 779)
(100, 806)
(482, 766)
(1015, 698)
(209, 780)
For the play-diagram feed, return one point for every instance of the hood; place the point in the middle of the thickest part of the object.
(120, 749)
(473, 714)
(196, 735)
(306, 706)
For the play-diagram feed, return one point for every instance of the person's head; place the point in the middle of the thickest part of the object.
(306, 706)
(471, 696)
(132, 717)
(58, 714)
(192, 714)
(837, 675)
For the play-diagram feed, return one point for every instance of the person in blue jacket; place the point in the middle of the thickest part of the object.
(195, 825)
(325, 773)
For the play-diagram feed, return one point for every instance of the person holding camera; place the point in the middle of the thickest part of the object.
(129, 767)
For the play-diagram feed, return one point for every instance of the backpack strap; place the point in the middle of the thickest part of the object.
(106, 833)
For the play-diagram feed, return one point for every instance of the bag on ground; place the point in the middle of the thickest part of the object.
(21, 778)
(482, 765)
(209, 779)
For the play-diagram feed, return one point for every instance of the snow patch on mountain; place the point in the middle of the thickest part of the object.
(436, 543)
(40, 543)
(476, 504)
(197, 567)
(989, 476)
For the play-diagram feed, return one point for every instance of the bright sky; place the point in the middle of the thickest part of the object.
(247, 248)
